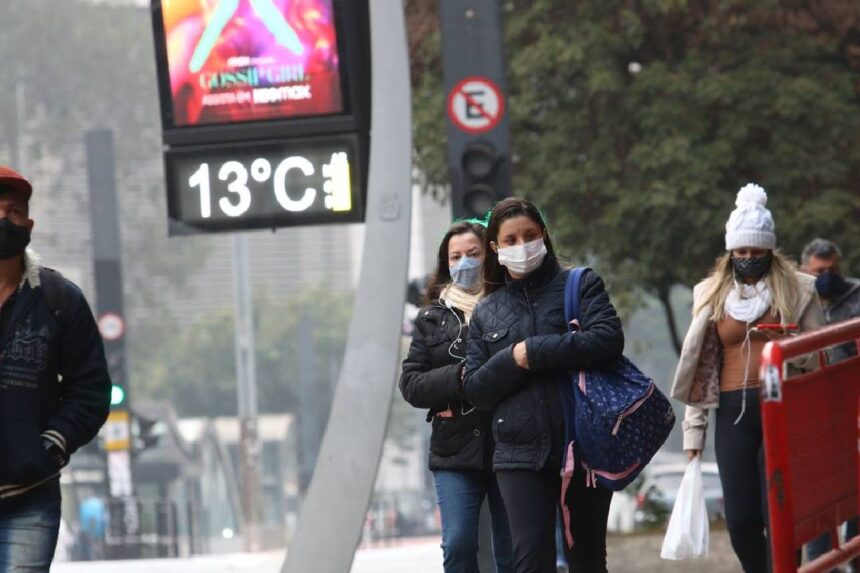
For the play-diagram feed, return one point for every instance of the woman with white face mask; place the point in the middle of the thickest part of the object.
(461, 445)
(519, 349)
(752, 284)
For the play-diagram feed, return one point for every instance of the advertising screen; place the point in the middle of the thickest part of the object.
(235, 61)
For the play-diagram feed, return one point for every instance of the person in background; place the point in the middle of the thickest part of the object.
(751, 284)
(519, 349)
(461, 444)
(840, 297)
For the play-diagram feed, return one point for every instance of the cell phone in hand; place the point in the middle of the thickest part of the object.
(780, 327)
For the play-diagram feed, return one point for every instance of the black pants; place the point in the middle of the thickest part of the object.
(740, 457)
(532, 501)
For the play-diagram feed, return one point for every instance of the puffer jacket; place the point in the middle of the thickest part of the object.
(528, 421)
(431, 379)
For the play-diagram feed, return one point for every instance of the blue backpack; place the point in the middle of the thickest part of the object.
(615, 419)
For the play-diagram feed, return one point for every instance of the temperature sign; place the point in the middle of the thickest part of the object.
(242, 186)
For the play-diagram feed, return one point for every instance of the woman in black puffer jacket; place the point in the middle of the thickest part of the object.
(519, 347)
(461, 445)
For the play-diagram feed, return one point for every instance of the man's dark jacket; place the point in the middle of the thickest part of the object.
(54, 383)
(845, 307)
(431, 379)
(528, 422)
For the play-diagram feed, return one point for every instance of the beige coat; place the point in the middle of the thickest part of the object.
(697, 378)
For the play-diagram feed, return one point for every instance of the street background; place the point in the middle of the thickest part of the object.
(633, 125)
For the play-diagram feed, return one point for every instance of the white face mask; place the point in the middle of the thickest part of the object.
(523, 259)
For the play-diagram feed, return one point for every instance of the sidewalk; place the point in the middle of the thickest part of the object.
(632, 553)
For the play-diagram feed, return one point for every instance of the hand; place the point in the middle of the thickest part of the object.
(520, 355)
(693, 454)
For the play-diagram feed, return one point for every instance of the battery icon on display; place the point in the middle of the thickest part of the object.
(336, 185)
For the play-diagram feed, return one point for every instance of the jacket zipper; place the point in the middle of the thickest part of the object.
(632, 409)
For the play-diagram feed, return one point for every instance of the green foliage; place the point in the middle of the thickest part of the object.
(197, 373)
(635, 123)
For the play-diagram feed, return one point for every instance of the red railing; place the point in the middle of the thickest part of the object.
(810, 424)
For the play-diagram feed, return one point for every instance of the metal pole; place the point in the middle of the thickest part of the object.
(335, 508)
(107, 268)
(246, 376)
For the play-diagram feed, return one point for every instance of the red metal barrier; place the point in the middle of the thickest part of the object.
(810, 424)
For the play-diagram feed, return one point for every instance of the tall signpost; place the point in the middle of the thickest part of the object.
(473, 74)
(336, 505)
(479, 165)
(246, 377)
(266, 109)
(122, 541)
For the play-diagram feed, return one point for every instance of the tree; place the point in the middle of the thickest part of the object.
(634, 123)
(197, 374)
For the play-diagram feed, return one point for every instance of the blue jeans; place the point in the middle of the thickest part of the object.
(28, 530)
(818, 547)
(460, 495)
(560, 559)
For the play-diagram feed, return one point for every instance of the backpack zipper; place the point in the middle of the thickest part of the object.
(591, 474)
(632, 409)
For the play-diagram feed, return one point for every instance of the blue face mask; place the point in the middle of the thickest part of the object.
(830, 285)
(466, 273)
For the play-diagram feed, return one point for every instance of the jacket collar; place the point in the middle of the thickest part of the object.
(542, 276)
(32, 264)
(852, 290)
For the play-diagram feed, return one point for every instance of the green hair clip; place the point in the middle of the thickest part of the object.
(474, 220)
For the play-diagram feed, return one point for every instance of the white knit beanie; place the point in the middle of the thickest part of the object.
(750, 224)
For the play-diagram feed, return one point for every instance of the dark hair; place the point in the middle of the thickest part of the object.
(442, 276)
(821, 249)
(494, 273)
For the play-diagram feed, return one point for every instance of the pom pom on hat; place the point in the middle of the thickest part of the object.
(751, 193)
(751, 223)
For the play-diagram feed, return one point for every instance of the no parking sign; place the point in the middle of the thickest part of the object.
(476, 105)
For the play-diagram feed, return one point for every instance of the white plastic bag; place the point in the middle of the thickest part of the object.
(687, 534)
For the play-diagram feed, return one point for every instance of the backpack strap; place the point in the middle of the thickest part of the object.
(571, 296)
(56, 297)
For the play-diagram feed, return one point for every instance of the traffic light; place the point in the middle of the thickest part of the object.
(482, 184)
(116, 368)
(117, 396)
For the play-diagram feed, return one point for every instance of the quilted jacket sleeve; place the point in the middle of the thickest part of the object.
(489, 379)
(599, 343)
(424, 386)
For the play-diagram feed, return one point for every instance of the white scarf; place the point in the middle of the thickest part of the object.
(747, 303)
(461, 298)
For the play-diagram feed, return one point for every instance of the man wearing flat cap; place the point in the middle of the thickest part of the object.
(54, 385)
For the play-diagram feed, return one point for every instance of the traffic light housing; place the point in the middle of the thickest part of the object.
(115, 355)
(484, 180)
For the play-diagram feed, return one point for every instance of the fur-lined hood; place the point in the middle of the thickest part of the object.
(32, 264)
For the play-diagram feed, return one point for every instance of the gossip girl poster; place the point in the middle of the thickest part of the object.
(248, 60)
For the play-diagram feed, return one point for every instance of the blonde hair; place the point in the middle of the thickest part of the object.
(781, 280)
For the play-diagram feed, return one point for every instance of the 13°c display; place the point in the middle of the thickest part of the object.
(262, 185)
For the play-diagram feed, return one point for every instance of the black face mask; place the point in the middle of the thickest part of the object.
(830, 285)
(13, 239)
(752, 268)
